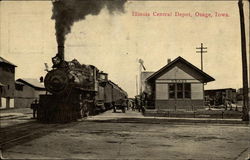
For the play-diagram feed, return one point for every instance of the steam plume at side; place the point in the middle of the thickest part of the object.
(66, 12)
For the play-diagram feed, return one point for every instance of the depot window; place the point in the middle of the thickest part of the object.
(179, 90)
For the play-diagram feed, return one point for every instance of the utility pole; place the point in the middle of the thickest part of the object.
(140, 70)
(202, 50)
(140, 84)
(136, 84)
(245, 109)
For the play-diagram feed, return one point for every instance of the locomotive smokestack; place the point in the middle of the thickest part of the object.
(60, 50)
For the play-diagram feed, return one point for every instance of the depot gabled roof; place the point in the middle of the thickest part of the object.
(2, 60)
(206, 77)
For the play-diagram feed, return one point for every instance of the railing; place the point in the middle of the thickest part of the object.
(219, 114)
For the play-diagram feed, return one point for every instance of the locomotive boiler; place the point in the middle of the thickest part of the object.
(70, 75)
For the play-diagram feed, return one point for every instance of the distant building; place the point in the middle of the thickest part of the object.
(144, 76)
(178, 85)
(240, 94)
(7, 83)
(220, 96)
(27, 90)
(146, 89)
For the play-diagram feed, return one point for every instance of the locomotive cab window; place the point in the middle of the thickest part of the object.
(102, 76)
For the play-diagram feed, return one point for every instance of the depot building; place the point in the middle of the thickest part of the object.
(178, 85)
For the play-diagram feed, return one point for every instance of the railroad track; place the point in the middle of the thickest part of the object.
(16, 127)
(21, 133)
(17, 134)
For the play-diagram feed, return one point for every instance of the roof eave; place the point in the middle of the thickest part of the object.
(9, 64)
(31, 85)
(209, 80)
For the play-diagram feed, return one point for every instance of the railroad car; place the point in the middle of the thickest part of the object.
(113, 95)
(119, 98)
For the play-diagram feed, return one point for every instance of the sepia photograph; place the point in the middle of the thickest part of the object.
(124, 79)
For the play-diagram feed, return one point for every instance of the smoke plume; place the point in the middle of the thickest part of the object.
(66, 12)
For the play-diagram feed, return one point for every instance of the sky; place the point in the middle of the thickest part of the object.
(114, 43)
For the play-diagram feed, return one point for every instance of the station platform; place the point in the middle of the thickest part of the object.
(22, 115)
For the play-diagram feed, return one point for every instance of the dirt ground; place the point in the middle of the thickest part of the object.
(9, 117)
(101, 137)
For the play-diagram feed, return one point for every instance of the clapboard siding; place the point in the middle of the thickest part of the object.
(162, 91)
(197, 91)
(176, 73)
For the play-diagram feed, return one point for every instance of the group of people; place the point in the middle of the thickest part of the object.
(126, 104)
(138, 104)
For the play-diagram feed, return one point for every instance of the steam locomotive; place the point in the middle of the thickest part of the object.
(76, 90)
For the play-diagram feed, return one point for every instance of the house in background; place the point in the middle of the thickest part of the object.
(240, 94)
(27, 90)
(7, 83)
(146, 89)
(178, 86)
(144, 76)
